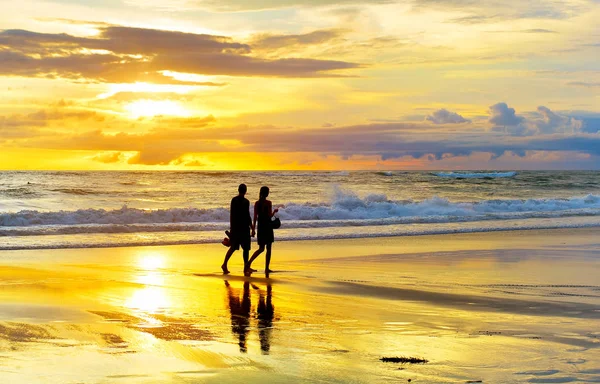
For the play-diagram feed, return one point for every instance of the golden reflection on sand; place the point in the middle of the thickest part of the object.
(153, 297)
(164, 314)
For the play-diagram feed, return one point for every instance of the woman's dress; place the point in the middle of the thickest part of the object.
(265, 229)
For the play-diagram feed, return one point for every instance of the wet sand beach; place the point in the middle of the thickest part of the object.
(505, 307)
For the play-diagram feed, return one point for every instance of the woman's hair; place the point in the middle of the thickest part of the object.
(264, 192)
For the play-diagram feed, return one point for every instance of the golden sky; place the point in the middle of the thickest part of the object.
(299, 84)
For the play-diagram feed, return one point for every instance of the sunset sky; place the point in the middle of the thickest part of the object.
(299, 84)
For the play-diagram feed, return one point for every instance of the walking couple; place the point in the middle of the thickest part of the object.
(241, 224)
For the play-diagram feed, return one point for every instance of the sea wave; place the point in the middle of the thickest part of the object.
(305, 174)
(345, 209)
(44, 230)
(475, 175)
(212, 237)
(75, 191)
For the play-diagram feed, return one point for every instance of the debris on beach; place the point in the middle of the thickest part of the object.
(404, 360)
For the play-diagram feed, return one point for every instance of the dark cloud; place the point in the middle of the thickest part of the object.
(122, 55)
(443, 116)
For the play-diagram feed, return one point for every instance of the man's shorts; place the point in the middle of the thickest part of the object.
(237, 241)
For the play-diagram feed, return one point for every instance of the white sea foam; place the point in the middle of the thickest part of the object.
(208, 237)
(475, 175)
(346, 209)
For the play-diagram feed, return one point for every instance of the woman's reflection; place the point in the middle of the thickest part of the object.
(264, 314)
(240, 310)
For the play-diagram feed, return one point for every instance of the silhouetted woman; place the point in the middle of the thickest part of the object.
(263, 212)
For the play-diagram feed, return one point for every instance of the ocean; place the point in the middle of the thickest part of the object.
(51, 209)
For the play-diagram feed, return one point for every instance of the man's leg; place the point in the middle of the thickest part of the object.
(227, 257)
(246, 256)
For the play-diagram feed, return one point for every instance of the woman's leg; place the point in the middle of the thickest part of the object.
(260, 250)
(268, 258)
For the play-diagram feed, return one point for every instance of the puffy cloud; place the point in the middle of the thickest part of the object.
(544, 121)
(551, 122)
(123, 54)
(443, 116)
(502, 115)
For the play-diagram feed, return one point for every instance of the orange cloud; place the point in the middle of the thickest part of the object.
(123, 55)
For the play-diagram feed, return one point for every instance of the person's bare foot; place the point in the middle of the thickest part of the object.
(225, 270)
(268, 271)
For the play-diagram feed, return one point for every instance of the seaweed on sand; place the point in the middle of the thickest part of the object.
(404, 360)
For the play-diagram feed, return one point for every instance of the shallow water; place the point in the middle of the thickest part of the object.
(501, 308)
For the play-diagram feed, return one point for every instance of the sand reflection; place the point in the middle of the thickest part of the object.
(240, 308)
(153, 298)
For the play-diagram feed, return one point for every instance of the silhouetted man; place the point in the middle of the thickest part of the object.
(240, 224)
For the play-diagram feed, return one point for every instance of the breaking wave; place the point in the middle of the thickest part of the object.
(475, 175)
(345, 209)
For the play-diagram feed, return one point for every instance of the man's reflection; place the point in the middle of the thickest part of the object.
(240, 315)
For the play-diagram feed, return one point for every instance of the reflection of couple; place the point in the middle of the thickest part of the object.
(241, 224)
(240, 316)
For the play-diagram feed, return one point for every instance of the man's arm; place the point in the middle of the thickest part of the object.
(231, 215)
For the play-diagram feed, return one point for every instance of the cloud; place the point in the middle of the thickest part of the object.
(505, 119)
(443, 116)
(543, 121)
(533, 30)
(538, 30)
(590, 124)
(176, 141)
(482, 11)
(108, 157)
(42, 117)
(124, 55)
(584, 84)
(255, 5)
(272, 41)
(551, 122)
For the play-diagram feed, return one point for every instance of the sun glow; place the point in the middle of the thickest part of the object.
(144, 108)
(145, 88)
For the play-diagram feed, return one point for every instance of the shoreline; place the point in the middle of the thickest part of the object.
(449, 232)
